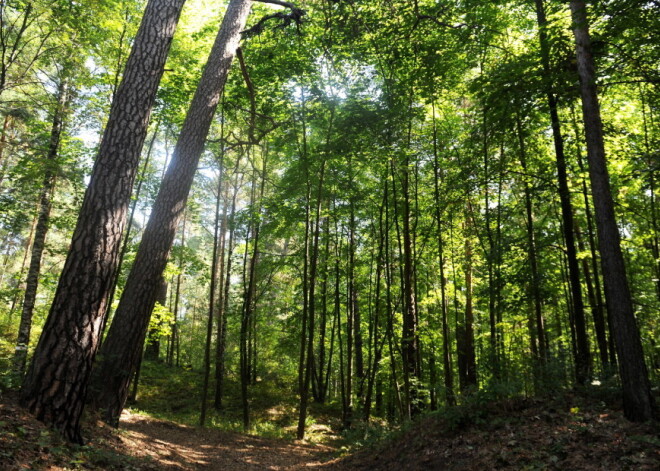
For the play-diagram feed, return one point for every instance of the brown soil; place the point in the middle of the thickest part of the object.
(144, 443)
(179, 447)
(515, 436)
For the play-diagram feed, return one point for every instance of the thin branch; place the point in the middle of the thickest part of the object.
(250, 87)
(295, 16)
(288, 5)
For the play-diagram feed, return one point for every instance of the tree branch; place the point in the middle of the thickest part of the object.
(288, 5)
(295, 16)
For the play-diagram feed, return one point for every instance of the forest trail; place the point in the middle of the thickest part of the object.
(180, 447)
(508, 436)
(144, 443)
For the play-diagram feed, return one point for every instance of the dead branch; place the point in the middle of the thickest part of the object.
(294, 16)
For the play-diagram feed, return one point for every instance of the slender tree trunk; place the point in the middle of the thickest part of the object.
(4, 161)
(173, 354)
(224, 302)
(356, 315)
(597, 305)
(125, 336)
(321, 381)
(55, 388)
(470, 378)
(638, 402)
(446, 356)
(377, 346)
(304, 396)
(305, 267)
(249, 300)
(351, 303)
(582, 354)
(132, 396)
(43, 220)
(490, 255)
(345, 406)
(21, 273)
(389, 285)
(410, 341)
(212, 297)
(152, 349)
(538, 342)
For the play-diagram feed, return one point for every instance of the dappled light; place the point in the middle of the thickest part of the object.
(329, 234)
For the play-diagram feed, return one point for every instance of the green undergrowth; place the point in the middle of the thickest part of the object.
(174, 394)
(7, 344)
(495, 407)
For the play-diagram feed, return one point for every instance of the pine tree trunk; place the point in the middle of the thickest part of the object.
(55, 388)
(122, 346)
(129, 225)
(638, 402)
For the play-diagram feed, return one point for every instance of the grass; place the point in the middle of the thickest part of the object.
(174, 394)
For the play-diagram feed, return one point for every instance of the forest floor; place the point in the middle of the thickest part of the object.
(572, 433)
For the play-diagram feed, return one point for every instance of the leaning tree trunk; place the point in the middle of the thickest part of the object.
(56, 384)
(638, 403)
(43, 220)
(122, 347)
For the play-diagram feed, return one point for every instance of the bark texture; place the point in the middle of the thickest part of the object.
(638, 403)
(122, 347)
(56, 384)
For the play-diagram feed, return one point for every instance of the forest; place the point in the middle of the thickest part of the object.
(279, 217)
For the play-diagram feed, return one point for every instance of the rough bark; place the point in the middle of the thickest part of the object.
(638, 402)
(56, 383)
(129, 224)
(125, 336)
(152, 349)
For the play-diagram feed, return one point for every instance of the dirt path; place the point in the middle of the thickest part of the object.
(145, 444)
(178, 447)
